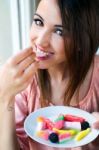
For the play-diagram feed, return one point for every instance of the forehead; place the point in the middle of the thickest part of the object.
(49, 10)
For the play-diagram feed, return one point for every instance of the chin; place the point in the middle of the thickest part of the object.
(42, 67)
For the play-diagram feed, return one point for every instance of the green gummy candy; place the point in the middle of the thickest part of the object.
(60, 118)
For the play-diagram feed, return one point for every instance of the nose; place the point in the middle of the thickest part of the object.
(43, 38)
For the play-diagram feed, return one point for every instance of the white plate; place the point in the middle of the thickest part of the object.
(30, 125)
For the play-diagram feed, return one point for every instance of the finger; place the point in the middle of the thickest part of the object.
(96, 125)
(26, 63)
(21, 56)
(30, 71)
(96, 115)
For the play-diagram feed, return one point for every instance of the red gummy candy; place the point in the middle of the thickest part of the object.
(72, 118)
(49, 123)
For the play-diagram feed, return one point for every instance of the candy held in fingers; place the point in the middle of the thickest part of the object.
(82, 134)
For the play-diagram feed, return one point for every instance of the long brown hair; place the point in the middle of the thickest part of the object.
(80, 20)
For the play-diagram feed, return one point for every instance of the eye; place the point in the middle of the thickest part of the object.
(38, 22)
(59, 32)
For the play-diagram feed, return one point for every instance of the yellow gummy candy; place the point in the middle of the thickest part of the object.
(40, 119)
(82, 134)
(72, 132)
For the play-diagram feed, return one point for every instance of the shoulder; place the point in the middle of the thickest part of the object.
(96, 64)
(96, 71)
(97, 59)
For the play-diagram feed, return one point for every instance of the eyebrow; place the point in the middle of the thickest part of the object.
(58, 26)
(38, 16)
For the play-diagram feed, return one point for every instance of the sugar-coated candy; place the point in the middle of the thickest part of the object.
(44, 134)
(59, 124)
(76, 125)
(41, 126)
(40, 119)
(72, 125)
(60, 117)
(69, 117)
(63, 128)
(71, 131)
(82, 134)
(64, 137)
(49, 124)
(53, 137)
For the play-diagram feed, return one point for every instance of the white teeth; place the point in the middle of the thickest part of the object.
(40, 53)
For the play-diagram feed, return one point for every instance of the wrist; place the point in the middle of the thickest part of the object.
(7, 101)
(5, 96)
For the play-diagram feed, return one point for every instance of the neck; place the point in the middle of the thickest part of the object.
(58, 73)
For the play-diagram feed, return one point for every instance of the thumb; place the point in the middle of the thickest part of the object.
(96, 124)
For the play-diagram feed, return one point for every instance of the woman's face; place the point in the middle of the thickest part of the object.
(47, 35)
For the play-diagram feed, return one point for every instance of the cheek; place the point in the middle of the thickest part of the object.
(57, 41)
(59, 45)
(33, 34)
(61, 49)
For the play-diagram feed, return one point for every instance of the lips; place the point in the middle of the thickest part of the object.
(41, 53)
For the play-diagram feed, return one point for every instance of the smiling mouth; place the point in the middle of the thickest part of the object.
(40, 53)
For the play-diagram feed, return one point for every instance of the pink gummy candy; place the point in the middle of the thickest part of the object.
(41, 126)
(64, 136)
(59, 124)
(44, 134)
(49, 123)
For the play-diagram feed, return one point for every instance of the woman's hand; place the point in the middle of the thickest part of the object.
(96, 126)
(17, 73)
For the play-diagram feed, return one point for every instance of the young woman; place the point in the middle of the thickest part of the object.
(60, 68)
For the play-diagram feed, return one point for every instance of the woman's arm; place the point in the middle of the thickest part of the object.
(94, 145)
(15, 76)
(96, 126)
(8, 140)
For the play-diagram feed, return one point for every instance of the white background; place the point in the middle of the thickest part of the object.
(15, 21)
(5, 30)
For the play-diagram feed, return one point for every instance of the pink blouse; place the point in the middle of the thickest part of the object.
(28, 101)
